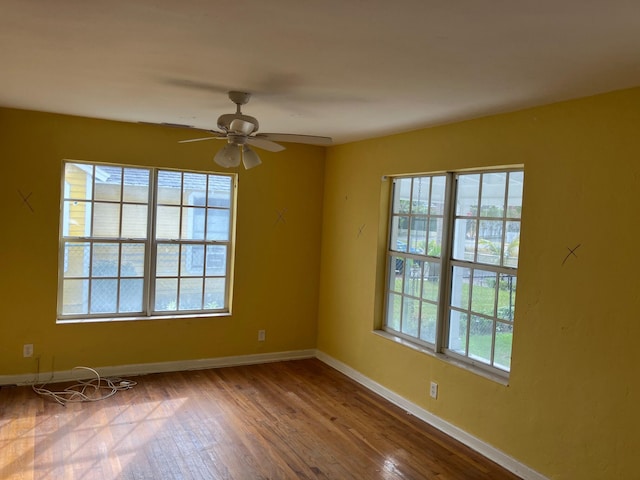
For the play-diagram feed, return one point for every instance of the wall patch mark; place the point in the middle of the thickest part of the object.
(281, 216)
(25, 200)
(572, 251)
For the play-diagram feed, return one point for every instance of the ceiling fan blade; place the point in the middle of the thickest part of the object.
(167, 124)
(293, 138)
(199, 139)
(265, 144)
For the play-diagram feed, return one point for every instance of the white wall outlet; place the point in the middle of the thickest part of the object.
(433, 390)
(262, 335)
(27, 350)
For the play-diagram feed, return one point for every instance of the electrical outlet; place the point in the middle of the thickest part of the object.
(262, 335)
(27, 350)
(433, 390)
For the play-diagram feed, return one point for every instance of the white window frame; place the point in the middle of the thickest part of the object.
(150, 241)
(400, 256)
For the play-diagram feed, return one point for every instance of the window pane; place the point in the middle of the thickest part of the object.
(168, 223)
(428, 320)
(438, 195)
(166, 294)
(420, 197)
(507, 297)
(76, 219)
(192, 260)
(512, 247)
(105, 261)
(216, 260)
(504, 340)
(106, 220)
(490, 242)
(167, 260)
(131, 295)
(412, 277)
(483, 296)
(75, 297)
(169, 187)
(394, 308)
(396, 274)
(458, 332)
(418, 234)
(79, 177)
(467, 195)
(399, 234)
(514, 200)
(460, 287)
(214, 293)
(108, 183)
(190, 294)
(194, 188)
(402, 194)
(193, 223)
(76, 259)
(410, 316)
(104, 296)
(464, 241)
(434, 244)
(134, 221)
(480, 339)
(493, 193)
(132, 260)
(136, 185)
(219, 191)
(431, 282)
(217, 224)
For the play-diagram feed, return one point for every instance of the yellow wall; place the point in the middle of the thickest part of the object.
(277, 263)
(571, 409)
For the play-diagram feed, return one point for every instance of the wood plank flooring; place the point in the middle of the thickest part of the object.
(288, 420)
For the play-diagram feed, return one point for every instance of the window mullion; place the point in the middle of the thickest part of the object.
(151, 245)
(444, 295)
(120, 240)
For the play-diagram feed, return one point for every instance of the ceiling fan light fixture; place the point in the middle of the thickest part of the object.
(229, 156)
(250, 158)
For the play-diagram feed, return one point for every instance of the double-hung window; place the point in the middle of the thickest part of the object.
(452, 264)
(140, 242)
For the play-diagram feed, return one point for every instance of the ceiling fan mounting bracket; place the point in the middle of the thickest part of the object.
(239, 98)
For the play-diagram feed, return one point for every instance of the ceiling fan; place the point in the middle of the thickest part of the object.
(240, 132)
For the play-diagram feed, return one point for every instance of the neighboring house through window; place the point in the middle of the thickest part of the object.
(452, 264)
(144, 242)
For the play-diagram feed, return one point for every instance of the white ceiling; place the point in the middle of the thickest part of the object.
(349, 69)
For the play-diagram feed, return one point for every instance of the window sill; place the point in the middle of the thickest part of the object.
(443, 357)
(141, 318)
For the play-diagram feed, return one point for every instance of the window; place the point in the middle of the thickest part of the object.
(144, 242)
(452, 264)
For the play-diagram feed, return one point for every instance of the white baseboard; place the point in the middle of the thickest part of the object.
(161, 367)
(472, 442)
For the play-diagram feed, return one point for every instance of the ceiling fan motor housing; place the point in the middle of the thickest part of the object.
(248, 123)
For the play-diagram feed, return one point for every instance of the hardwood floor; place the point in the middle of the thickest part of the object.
(288, 420)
